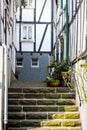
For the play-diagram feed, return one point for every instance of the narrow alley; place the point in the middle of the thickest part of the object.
(43, 64)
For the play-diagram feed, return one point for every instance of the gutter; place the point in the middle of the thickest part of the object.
(67, 31)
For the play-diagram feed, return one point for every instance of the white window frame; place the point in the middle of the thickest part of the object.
(27, 33)
(35, 64)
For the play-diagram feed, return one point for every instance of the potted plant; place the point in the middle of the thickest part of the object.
(59, 69)
(55, 83)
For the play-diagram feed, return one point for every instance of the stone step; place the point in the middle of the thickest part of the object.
(61, 123)
(33, 107)
(30, 115)
(56, 128)
(43, 115)
(23, 123)
(38, 90)
(45, 123)
(40, 108)
(41, 95)
(41, 102)
(47, 128)
(66, 115)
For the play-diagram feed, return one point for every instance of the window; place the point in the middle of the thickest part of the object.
(27, 32)
(19, 62)
(35, 62)
(30, 4)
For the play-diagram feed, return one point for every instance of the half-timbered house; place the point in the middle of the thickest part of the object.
(35, 38)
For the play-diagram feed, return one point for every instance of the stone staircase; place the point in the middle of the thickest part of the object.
(42, 108)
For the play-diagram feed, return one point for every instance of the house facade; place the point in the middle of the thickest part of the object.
(35, 31)
(7, 54)
(72, 43)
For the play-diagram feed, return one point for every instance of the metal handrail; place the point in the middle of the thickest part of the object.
(75, 81)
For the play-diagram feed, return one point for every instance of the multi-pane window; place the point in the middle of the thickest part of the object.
(27, 32)
(29, 3)
(19, 62)
(34, 62)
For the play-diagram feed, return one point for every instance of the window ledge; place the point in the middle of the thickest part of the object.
(25, 40)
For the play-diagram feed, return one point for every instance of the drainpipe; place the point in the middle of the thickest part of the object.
(6, 90)
(6, 77)
(67, 31)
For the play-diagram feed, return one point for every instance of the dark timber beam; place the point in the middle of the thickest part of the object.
(42, 10)
(43, 37)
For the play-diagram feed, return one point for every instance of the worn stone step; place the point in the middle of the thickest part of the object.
(41, 102)
(31, 107)
(38, 90)
(56, 128)
(66, 115)
(61, 123)
(24, 123)
(48, 128)
(41, 95)
(54, 108)
(43, 115)
(38, 123)
(31, 116)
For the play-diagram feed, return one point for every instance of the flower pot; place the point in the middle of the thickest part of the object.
(55, 83)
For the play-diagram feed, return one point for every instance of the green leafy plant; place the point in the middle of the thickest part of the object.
(58, 69)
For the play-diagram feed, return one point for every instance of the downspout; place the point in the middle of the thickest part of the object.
(67, 31)
(6, 77)
(6, 90)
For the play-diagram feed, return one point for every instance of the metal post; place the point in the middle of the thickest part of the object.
(6, 77)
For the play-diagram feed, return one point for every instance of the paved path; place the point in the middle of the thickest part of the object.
(18, 83)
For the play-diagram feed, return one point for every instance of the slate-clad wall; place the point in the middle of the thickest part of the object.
(33, 74)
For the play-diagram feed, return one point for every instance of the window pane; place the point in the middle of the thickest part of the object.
(29, 32)
(24, 32)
